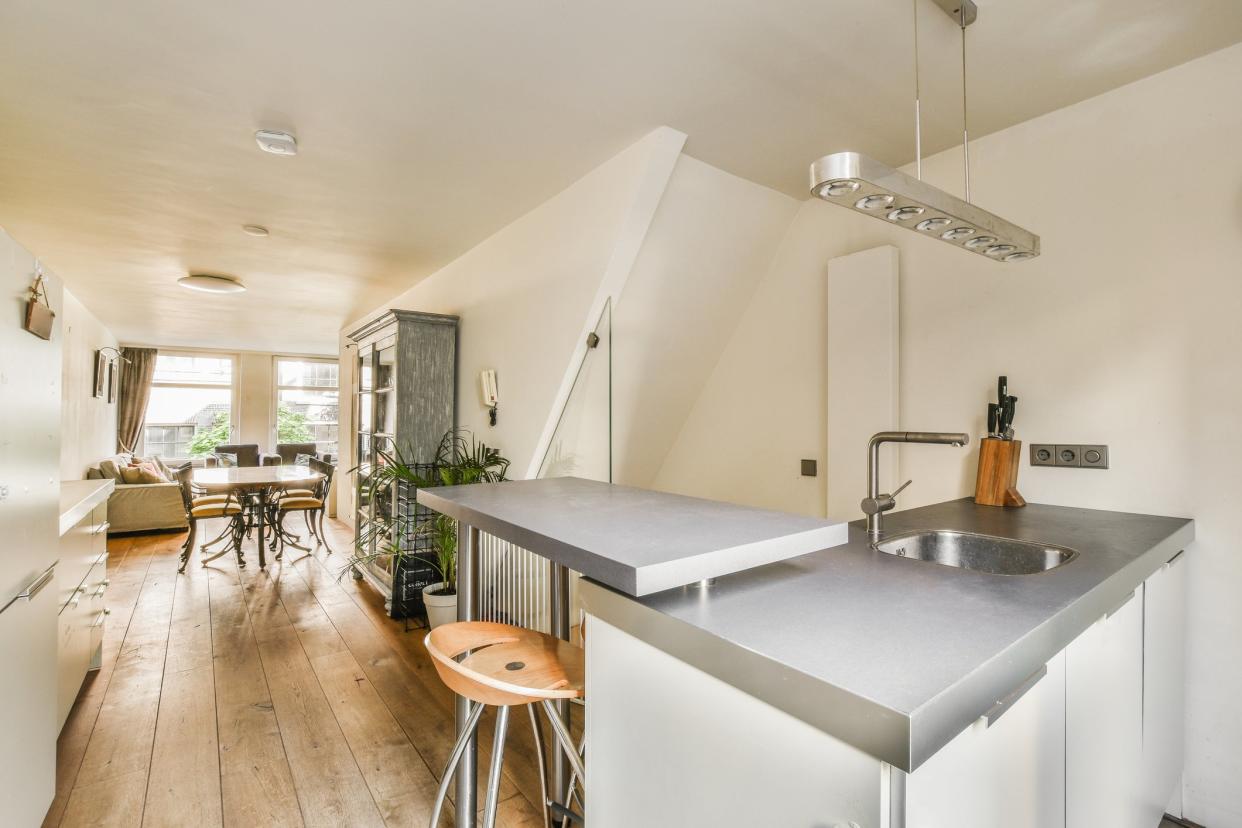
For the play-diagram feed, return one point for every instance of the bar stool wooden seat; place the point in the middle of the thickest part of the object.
(506, 666)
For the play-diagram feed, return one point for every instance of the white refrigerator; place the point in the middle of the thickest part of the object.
(30, 390)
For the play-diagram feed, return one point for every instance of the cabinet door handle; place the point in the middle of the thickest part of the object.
(101, 528)
(99, 619)
(37, 585)
(33, 588)
(100, 590)
(999, 709)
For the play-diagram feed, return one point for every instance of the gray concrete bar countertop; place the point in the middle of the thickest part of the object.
(892, 655)
(633, 540)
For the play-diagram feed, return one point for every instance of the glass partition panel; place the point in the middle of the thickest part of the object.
(581, 446)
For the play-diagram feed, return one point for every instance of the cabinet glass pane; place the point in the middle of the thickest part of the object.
(385, 412)
(385, 365)
(364, 372)
(364, 412)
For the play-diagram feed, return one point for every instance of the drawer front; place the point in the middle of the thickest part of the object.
(80, 636)
(80, 549)
(96, 614)
(72, 657)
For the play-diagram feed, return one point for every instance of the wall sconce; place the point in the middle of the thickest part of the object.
(487, 382)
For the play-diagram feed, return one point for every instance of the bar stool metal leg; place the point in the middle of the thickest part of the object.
(472, 724)
(558, 610)
(562, 736)
(467, 610)
(541, 760)
(498, 759)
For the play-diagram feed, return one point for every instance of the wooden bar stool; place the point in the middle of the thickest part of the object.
(506, 666)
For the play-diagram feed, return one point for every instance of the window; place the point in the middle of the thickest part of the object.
(191, 405)
(307, 402)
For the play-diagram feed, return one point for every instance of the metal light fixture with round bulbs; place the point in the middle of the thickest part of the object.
(207, 283)
(855, 181)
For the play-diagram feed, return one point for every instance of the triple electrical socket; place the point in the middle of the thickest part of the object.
(1083, 457)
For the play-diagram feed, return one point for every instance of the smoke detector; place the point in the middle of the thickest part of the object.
(277, 143)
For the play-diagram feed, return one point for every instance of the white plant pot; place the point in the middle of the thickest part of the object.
(441, 609)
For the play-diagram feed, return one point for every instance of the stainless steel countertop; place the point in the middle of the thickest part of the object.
(892, 655)
(634, 540)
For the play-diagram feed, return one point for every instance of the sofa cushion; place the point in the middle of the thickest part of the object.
(109, 468)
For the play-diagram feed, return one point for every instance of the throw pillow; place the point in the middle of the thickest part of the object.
(131, 475)
(109, 468)
(151, 472)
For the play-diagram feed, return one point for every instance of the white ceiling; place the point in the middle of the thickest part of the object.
(127, 157)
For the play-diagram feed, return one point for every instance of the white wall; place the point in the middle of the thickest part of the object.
(525, 294)
(87, 423)
(709, 244)
(1123, 332)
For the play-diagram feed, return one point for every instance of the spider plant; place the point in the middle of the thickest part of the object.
(460, 459)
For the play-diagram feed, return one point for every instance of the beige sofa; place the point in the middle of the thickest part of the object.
(139, 507)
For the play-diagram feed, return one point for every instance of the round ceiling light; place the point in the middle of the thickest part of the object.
(905, 213)
(255, 230)
(874, 202)
(838, 188)
(211, 284)
(981, 241)
(933, 224)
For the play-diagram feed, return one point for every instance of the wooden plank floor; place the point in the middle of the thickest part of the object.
(244, 697)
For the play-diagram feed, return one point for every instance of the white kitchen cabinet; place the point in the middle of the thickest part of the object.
(1104, 721)
(27, 684)
(81, 586)
(1164, 630)
(1008, 771)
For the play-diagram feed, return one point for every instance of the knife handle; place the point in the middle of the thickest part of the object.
(993, 418)
(1002, 389)
(1007, 412)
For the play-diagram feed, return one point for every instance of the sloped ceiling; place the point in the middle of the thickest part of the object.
(127, 157)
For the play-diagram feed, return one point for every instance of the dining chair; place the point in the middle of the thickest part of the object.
(289, 452)
(312, 506)
(200, 507)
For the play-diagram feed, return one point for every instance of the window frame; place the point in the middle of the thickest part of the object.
(234, 407)
(274, 427)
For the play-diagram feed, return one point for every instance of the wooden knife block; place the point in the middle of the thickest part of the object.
(997, 482)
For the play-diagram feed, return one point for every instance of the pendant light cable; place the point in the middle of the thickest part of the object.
(965, 124)
(918, 114)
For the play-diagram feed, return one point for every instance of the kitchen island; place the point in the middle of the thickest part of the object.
(852, 687)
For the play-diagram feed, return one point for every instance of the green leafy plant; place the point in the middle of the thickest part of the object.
(204, 442)
(460, 459)
(291, 426)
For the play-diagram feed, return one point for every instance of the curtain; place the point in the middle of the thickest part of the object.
(137, 367)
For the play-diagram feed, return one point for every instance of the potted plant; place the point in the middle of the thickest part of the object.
(460, 459)
(440, 598)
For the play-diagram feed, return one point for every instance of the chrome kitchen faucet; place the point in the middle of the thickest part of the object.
(874, 505)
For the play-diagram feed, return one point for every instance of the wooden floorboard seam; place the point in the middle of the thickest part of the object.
(266, 681)
(318, 681)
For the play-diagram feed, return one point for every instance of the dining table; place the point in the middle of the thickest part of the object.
(260, 481)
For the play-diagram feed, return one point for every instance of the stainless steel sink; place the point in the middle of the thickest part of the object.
(981, 553)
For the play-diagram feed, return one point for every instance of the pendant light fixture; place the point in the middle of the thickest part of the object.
(863, 184)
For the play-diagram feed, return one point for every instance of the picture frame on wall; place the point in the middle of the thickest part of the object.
(113, 370)
(101, 375)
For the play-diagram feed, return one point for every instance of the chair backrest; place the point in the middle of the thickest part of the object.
(327, 470)
(289, 451)
(247, 453)
(223, 459)
(185, 475)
